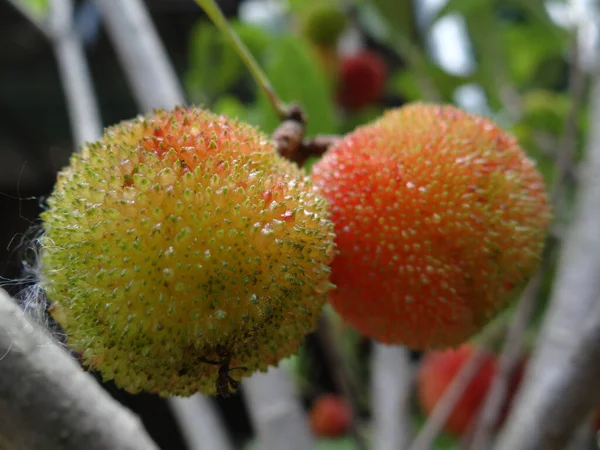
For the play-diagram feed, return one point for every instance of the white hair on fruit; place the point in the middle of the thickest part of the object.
(31, 296)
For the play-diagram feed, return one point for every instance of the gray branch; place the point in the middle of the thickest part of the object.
(47, 402)
(75, 76)
(275, 411)
(151, 75)
(561, 384)
(485, 425)
(84, 114)
(200, 423)
(393, 380)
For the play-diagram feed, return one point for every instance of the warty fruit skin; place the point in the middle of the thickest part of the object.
(181, 236)
(439, 216)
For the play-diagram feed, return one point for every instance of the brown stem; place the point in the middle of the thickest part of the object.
(290, 142)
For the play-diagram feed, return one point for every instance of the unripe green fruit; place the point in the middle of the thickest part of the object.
(181, 243)
(323, 23)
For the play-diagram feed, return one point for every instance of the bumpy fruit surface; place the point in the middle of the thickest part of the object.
(182, 237)
(362, 79)
(438, 369)
(440, 217)
(330, 416)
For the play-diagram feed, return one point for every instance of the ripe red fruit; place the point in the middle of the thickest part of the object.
(439, 218)
(362, 80)
(330, 416)
(438, 369)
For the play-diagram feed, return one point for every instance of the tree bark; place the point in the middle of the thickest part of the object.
(151, 75)
(47, 402)
(561, 384)
(393, 381)
(275, 411)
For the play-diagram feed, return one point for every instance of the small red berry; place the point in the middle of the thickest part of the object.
(362, 80)
(330, 416)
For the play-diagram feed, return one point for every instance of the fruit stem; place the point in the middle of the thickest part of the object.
(215, 14)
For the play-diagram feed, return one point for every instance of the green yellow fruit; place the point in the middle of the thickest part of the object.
(323, 23)
(440, 217)
(180, 240)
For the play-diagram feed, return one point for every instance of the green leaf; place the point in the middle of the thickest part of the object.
(528, 46)
(398, 14)
(214, 65)
(232, 107)
(466, 8)
(256, 39)
(37, 8)
(405, 83)
(295, 75)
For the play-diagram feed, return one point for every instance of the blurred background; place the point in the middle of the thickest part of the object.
(343, 61)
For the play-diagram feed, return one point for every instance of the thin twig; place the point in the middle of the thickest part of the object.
(47, 402)
(508, 94)
(485, 426)
(339, 369)
(393, 380)
(213, 11)
(452, 395)
(290, 132)
(82, 106)
(565, 153)
(455, 390)
(559, 386)
(84, 112)
(200, 424)
(151, 76)
(275, 411)
(290, 142)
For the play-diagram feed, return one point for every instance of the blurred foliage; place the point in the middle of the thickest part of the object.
(36, 8)
(521, 63)
(216, 73)
(343, 443)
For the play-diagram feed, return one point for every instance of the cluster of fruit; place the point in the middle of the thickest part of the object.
(182, 252)
(330, 415)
